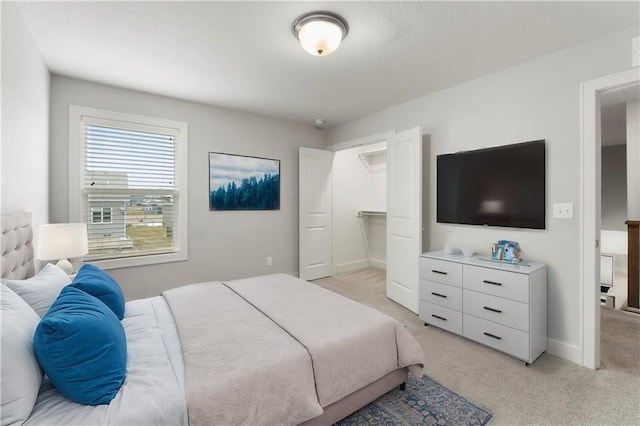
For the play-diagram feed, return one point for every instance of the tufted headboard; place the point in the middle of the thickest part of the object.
(17, 246)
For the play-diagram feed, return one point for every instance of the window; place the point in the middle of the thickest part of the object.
(100, 215)
(129, 186)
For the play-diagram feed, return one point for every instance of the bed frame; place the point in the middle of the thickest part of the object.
(18, 263)
(358, 399)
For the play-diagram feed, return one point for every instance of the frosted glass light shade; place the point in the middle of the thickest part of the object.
(62, 241)
(320, 33)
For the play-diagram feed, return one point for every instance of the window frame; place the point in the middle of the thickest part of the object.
(101, 210)
(179, 129)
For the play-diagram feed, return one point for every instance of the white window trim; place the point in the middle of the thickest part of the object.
(76, 115)
(102, 210)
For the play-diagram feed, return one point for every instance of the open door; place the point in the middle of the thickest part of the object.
(315, 213)
(404, 216)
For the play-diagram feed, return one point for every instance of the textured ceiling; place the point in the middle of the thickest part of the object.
(242, 55)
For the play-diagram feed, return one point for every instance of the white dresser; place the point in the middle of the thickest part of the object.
(500, 305)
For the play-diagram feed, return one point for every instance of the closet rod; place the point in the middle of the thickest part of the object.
(371, 213)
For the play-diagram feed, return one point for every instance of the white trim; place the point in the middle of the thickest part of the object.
(127, 262)
(564, 350)
(179, 129)
(377, 263)
(589, 201)
(367, 140)
(351, 266)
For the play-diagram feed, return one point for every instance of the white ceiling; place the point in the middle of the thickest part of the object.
(242, 55)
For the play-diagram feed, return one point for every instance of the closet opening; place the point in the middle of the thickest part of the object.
(360, 207)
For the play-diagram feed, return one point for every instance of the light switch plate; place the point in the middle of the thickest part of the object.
(635, 51)
(563, 210)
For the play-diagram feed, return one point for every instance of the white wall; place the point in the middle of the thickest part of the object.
(357, 186)
(539, 99)
(633, 160)
(613, 200)
(222, 244)
(24, 150)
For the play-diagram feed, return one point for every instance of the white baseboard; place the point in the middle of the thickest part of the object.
(564, 350)
(380, 264)
(351, 266)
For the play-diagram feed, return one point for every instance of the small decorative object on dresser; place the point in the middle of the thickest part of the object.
(507, 251)
(500, 305)
(467, 251)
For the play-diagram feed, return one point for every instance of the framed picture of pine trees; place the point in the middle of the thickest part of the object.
(239, 182)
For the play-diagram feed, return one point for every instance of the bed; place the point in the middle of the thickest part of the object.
(262, 350)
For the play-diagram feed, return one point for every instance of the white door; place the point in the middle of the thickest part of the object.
(315, 213)
(404, 219)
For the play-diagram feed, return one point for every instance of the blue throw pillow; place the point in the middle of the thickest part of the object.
(82, 347)
(98, 283)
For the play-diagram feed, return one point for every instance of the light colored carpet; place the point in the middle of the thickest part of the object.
(551, 391)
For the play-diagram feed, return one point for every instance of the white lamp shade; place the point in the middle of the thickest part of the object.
(62, 241)
(320, 38)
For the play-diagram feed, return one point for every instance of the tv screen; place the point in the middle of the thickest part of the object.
(501, 186)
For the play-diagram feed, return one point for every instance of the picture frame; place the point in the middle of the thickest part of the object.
(241, 182)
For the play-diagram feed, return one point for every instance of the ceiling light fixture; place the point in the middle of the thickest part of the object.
(320, 33)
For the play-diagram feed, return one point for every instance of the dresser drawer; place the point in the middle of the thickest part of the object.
(503, 311)
(441, 294)
(441, 317)
(506, 339)
(441, 271)
(510, 285)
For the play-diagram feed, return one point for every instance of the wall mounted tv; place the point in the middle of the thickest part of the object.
(500, 186)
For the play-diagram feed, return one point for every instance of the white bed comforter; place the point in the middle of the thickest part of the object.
(153, 390)
(260, 351)
(275, 349)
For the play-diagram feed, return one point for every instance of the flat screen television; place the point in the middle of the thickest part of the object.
(501, 186)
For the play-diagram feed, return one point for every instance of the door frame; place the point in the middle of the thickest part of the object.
(367, 140)
(590, 173)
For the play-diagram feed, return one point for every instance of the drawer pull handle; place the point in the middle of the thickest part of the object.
(435, 271)
(439, 295)
(439, 317)
(491, 282)
(492, 335)
(492, 309)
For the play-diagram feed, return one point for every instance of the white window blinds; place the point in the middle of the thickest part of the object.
(130, 189)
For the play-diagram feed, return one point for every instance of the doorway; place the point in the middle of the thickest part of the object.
(591, 92)
(403, 228)
(619, 119)
(360, 207)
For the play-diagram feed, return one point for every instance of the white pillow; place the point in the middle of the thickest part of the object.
(20, 371)
(42, 290)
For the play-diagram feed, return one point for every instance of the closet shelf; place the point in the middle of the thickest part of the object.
(367, 154)
(371, 213)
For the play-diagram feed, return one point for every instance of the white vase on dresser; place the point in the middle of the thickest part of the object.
(500, 305)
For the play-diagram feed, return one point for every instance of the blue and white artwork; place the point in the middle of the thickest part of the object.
(238, 182)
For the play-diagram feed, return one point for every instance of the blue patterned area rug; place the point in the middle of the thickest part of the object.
(423, 402)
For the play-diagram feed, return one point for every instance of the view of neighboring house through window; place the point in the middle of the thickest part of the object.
(130, 186)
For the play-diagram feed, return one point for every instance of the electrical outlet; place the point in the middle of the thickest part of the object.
(563, 210)
(269, 261)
